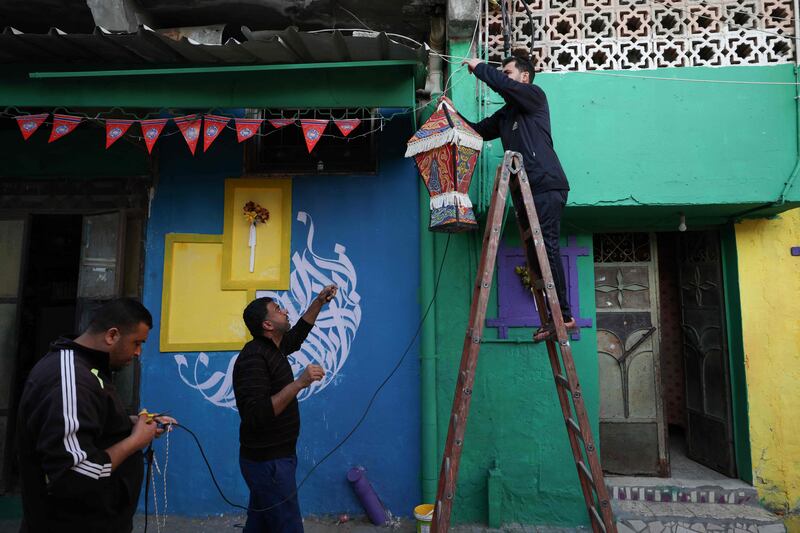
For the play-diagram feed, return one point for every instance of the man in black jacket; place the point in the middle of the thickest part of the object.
(266, 397)
(80, 454)
(523, 125)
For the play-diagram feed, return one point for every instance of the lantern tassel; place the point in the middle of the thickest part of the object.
(448, 137)
(450, 198)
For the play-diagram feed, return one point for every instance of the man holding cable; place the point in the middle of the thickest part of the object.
(80, 458)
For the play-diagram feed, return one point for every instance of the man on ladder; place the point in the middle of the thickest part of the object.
(523, 125)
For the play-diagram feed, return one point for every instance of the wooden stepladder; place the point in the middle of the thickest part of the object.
(511, 177)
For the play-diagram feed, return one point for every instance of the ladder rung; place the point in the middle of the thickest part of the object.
(561, 380)
(574, 427)
(588, 475)
(538, 284)
(596, 516)
(527, 234)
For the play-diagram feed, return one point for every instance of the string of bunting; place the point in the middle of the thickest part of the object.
(192, 127)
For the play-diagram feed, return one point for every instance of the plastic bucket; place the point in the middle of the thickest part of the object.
(424, 515)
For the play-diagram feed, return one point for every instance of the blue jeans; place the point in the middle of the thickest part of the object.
(272, 484)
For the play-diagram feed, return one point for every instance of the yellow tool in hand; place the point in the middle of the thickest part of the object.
(150, 416)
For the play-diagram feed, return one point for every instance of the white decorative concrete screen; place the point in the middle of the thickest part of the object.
(577, 35)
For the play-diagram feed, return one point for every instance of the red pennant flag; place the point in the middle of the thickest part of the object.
(28, 124)
(212, 126)
(151, 129)
(312, 131)
(348, 125)
(190, 127)
(116, 129)
(280, 122)
(62, 125)
(247, 127)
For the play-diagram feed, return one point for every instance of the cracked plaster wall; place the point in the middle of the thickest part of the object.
(769, 280)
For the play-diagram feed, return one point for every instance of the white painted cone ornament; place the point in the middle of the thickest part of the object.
(252, 244)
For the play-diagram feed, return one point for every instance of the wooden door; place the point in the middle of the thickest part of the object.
(705, 353)
(13, 237)
(632, 429)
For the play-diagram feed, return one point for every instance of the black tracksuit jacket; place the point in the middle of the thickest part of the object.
(68, 415)
(523, 125)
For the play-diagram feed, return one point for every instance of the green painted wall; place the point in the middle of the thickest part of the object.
(515, 421)
(653, 148)
(637, 153)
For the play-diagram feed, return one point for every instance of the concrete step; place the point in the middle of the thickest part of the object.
(660, 517)
(675, 490)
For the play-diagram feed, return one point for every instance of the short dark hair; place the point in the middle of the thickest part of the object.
(255, 314)
(522, 62)
(122, 313)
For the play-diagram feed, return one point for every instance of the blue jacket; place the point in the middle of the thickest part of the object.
(523, 125)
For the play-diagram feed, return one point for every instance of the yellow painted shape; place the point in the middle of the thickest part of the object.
(196, 313)
(769, 283)
(273, 239)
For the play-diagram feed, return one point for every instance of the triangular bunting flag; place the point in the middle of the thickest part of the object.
(151, 129)
(346, 126)
(116, 129)
(247, 127)
(312, 131)
(280, 122)
(212, 126)
(190, 127)
(28, 124)
(62, 125)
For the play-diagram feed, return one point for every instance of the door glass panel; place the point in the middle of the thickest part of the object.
(11, 236)
(622, 287)
(642, 384)
(714, 373)
(611, 401)
(8, 355)
(98, 270)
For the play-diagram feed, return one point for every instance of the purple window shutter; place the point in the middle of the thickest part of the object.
(516, 307)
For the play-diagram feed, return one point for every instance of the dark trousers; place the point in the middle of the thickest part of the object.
(272, 484)
(549, 207)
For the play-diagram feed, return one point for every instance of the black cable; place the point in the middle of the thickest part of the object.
(352, 431)
(506, 28)
(148, 457)
(213, 477)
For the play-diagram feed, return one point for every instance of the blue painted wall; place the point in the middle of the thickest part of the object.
(376, 219)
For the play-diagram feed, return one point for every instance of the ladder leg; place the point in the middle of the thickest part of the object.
(448, 475)
(567, 384)
(511, 176)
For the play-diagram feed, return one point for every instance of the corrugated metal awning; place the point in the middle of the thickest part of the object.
(147, 68)
(149, 47)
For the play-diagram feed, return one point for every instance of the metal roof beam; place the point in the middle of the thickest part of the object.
(218, 69)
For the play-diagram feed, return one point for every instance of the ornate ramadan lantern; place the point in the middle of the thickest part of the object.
(446, 150)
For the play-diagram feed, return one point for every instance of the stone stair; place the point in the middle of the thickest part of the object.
(668, 505)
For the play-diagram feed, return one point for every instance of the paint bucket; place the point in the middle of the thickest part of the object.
(424, 515)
